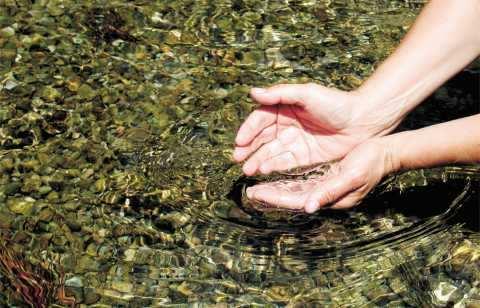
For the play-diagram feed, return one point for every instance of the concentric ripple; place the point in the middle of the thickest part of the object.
(117, 188)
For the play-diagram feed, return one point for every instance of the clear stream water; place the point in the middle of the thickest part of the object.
(117, 121)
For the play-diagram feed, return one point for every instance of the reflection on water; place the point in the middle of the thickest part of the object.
(116, 184)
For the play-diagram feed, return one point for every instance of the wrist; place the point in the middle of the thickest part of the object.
(377, 115)
(391, 146)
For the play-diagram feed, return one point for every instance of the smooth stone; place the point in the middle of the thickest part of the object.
(22, 206)
(7, 32)
(75, 281)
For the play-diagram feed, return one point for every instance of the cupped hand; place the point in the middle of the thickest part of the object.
(300, 125)
(354, 176)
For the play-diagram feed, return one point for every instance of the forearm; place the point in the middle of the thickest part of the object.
(443, 40)
(456, 141)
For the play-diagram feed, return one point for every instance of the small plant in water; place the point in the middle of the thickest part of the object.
(32, 284)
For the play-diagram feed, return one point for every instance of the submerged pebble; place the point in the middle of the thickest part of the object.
(117, 123)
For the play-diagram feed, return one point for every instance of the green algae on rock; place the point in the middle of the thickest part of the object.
(117, 122)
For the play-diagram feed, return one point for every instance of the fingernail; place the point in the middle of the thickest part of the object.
(259, 90)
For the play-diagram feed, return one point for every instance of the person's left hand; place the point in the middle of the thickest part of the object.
(299, 125)
(353, 178)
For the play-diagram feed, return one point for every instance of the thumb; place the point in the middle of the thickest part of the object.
(280, 94)
(328, 192)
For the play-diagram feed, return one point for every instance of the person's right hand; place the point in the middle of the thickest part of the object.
(344, 186)
(304, 124)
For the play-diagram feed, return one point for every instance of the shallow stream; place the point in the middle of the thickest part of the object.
(117, 121)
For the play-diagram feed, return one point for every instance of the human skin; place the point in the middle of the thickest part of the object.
(456, 141)
(299, 125)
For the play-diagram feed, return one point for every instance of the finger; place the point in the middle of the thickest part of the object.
(328, 192)
(348, 201)
(240, 153)
(255, 123)
(280, 94)
(280, 162)
(291, 196)
(356, 196)
(267, 135)
(297, 154)
(288, 141)
(273, 148)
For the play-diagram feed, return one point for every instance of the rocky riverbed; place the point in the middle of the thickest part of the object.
(117, 186)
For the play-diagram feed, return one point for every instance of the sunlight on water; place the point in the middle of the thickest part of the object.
(116, 182)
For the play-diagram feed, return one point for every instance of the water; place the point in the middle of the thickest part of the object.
(116, 184)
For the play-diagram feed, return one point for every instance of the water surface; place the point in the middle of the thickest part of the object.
(116, 184)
